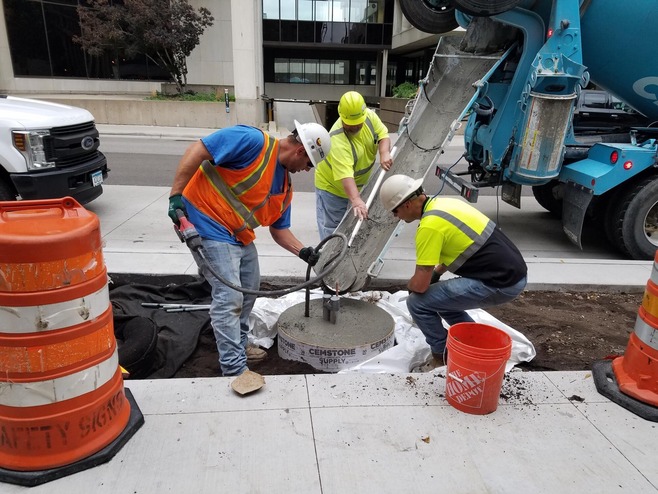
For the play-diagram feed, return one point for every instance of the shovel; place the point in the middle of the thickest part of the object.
(371, 198)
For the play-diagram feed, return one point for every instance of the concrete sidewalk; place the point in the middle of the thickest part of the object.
(353, 434)
(139, 238)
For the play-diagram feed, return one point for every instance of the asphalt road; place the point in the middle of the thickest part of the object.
(142, 160)
(153, 161)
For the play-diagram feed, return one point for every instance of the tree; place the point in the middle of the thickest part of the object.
(166, 31)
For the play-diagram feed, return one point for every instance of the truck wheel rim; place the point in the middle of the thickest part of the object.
(651, 225)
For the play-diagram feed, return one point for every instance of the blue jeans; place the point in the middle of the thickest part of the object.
(230, 309)
(449, 300)
(329, 210)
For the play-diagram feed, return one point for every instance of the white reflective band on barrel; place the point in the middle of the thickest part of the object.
(38, 318)
(646, 333)
(38, 393)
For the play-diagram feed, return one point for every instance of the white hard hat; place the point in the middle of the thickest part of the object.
(316, 140)
(397, 189)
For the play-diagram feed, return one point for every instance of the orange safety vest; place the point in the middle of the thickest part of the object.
(241, 200)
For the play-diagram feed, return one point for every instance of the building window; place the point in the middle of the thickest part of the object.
(306, 9)
(366, 73)
(341, 72)
(271, 9)
(40, 36)
(288, 9)
(370, 11)
(281, 70)
(311, 71)
(354, 22)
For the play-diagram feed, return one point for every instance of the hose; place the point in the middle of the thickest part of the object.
(284, 291)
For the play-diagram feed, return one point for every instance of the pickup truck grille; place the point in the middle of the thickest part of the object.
(72, 145)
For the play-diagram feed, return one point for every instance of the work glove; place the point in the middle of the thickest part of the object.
(309, 255)
(435, 277)
(175, 203)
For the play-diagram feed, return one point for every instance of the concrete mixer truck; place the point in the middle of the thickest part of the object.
(520, 133)
(514, 77)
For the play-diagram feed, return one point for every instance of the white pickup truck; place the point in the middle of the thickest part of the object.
(48, 150)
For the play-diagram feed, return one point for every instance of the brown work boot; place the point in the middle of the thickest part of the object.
(441, 358)
(255, 354)
(435, 361)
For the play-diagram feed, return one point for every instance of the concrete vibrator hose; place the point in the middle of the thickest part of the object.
(188, 234)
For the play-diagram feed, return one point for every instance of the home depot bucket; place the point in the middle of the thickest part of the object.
(61, 390)
(477, 354)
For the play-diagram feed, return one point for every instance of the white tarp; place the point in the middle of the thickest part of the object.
(410, 351)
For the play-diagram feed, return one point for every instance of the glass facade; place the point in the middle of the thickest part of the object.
(337, 41)
(304, 42)
(366, 11)
(311, 71)
(40, 36)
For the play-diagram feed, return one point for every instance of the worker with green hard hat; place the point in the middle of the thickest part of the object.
(356, 137)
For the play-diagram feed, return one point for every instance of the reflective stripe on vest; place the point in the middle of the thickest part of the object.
(229, 193)
(478, 239)
(341, 130)
(232, 193)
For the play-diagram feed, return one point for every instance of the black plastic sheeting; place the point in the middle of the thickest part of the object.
(154, 343)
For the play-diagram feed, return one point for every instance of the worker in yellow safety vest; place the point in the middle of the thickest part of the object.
(356, 137)
(452, 236)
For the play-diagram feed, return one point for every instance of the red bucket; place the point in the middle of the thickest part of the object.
(477, 354)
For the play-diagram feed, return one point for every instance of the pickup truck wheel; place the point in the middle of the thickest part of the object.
(484, 8)
(549, 197)
(632, 219)
(430, 16)
(7, 192)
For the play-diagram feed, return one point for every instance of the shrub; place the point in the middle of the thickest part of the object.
(190, 96)
(405, 90)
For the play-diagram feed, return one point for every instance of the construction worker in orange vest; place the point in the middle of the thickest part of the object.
(229, 183)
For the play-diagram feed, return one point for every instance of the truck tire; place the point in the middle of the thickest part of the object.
(430, 16)
(484, 8)
(7, 192)
(549, 197)
(632, 219)
(610, 222)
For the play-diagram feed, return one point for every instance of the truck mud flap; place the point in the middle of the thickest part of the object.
(440, 101)
(574, 206)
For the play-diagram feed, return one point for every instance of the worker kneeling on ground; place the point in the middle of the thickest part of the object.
(227, 184)
(356, 137)
(452, 236)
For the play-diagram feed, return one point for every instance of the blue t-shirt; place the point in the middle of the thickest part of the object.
(235, 148)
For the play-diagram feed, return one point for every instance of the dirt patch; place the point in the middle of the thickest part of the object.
(569, 330)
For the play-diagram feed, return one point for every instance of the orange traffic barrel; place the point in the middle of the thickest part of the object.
(62, 398)
(632, 380)
(637, 370)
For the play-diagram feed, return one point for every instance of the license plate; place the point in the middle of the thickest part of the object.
(97, 178)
